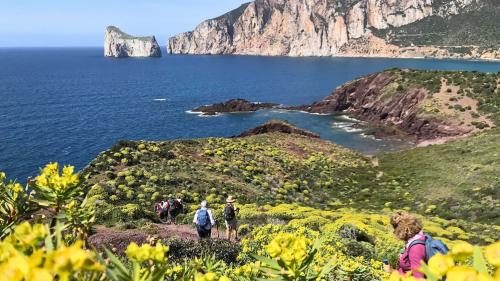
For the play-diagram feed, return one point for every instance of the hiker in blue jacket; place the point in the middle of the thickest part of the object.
(204, 221)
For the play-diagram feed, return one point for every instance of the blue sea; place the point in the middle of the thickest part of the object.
(69, 104)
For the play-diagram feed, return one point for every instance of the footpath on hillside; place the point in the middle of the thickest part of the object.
(117, 240)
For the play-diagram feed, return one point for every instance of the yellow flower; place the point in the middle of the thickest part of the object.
(210, 276)
(461, 273)
(462, 250)
(25, 235)
(224, 278)
(484, 277)
(395, 276)
(50, 178)
(289, 248)
(492, 254)
(146, 252)
(439, 264)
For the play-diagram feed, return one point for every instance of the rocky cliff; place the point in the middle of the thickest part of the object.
(118, 44)
(332, 27)
(425, 105)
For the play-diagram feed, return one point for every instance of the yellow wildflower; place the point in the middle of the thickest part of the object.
(462, 250)
(146, 252)
(461, 273)
(439, 264)
(492, 254)
(290, 248)
(484, 277)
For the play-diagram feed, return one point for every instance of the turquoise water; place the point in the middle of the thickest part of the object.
(68, 105)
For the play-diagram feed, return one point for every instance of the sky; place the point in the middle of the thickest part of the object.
(52, 23)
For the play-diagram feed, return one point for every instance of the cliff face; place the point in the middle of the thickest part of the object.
(423, 104)
(119, 44)
(313, 27)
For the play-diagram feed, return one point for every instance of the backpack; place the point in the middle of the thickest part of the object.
(229, 214)
(203, 219)
(171, 203)
(432, 246)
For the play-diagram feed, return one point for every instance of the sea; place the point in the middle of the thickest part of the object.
(69, 104)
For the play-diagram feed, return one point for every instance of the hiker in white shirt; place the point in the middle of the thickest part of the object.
(204, 221)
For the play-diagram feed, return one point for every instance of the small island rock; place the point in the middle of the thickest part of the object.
(119, 44)
(231, 106)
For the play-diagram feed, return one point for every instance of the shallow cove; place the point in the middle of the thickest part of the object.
(69, 104)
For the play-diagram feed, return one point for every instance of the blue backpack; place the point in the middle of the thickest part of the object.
(203, 219)
(432, 246)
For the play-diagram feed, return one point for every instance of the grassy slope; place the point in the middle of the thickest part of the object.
(460, 179)
(264, 169)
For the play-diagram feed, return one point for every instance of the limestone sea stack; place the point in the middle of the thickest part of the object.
(119, 44)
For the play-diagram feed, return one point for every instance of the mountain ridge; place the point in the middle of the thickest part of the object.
(327, 28)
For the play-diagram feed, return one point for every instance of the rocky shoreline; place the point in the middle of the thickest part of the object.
(397, 103)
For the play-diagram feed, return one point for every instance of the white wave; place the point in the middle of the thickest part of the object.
(346, 117)
(159, 99)
(200, 114)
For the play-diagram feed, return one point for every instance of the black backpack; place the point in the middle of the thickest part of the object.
(229, 214)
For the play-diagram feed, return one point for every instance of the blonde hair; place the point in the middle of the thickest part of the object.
(405, 225)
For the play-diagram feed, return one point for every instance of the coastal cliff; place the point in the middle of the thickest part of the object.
(119, 44)
(425, 105)
(386, 28)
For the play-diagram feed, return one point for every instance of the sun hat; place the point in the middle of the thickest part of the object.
(230, 199)
(204, 204)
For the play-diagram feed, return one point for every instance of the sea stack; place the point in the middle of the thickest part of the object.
(119, 44)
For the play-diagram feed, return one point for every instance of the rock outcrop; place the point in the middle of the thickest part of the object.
(278, 126)
(422, 105)
(322, 28)
(119, 44)
(231, 106)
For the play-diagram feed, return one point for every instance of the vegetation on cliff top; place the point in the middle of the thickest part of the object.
(468, 98)
(472, 28)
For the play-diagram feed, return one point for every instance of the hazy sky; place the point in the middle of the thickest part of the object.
(82, 22)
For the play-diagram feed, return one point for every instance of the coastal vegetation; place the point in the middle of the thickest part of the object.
(309, 209)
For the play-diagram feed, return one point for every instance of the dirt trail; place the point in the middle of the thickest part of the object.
(118, 240)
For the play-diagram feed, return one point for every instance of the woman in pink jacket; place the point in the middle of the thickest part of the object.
(409, 229)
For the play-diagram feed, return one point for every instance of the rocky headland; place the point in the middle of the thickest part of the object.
(425, 105)
(232, 106)
(376, 28)
(278, 126)
(119, 44)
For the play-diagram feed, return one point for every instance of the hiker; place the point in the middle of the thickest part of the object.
(162, 210)
(175, 208)
(170, 208)
(204, 221)
(419, 247)
(230, 217)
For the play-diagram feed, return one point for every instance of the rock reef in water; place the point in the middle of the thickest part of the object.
(378, 28)
(119, 44)
(278, 126)
(232, 106)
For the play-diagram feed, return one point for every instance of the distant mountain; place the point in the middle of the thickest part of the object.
(387, 28)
